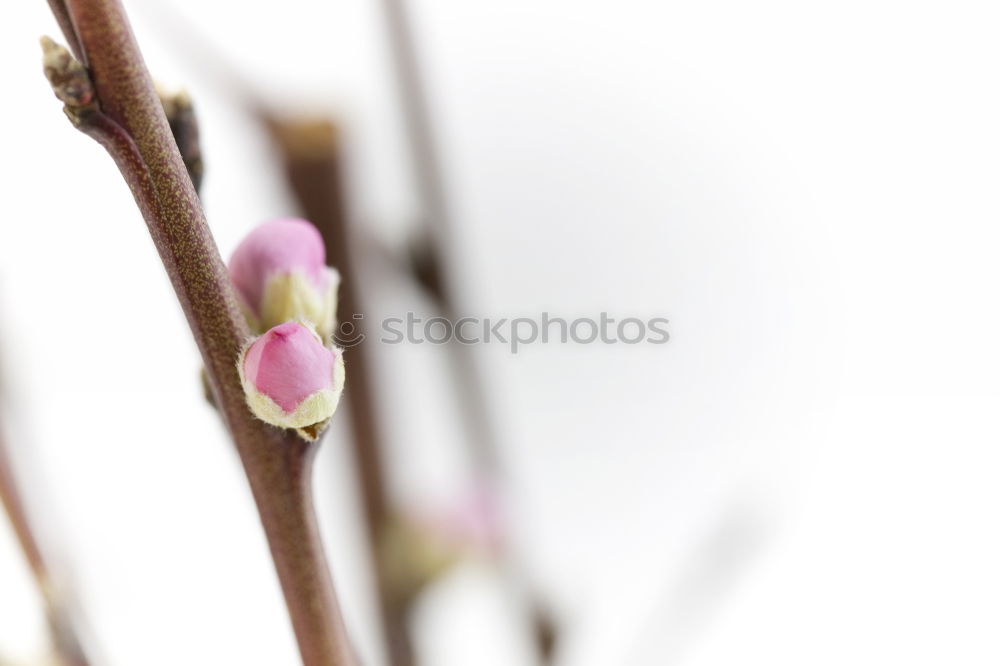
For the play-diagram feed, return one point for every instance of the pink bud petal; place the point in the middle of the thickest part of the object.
(279, 246)
(477, 518)
(471, 519)
(288, 364)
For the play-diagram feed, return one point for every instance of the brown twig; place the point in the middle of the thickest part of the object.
(59, 614)
(312, 165)
(10, 498)
(62, 626)
(277, 462)
(61, 12)
(430, 266)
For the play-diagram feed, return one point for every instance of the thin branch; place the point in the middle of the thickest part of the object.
(61, 13)
(312, 166)
(277, 462)
(10, 498)
(432, 270)
(60, 619)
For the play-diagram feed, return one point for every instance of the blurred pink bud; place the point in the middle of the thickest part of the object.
(472, 520)
(422, 542)
(280, 274)
(291, 380)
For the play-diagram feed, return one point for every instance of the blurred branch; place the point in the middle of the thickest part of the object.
(705, 578)
(428, 254)
(127, 117)
(431, 269)
(60, 618)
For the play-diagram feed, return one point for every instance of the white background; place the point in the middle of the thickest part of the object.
(806, 473)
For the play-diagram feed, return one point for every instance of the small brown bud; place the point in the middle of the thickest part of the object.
(69, 79)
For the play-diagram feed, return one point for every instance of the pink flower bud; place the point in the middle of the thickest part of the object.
(473, 519)
(291, 380)
(280, 274)
(422, 542)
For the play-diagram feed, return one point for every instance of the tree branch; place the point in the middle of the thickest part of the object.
(131, 124)
(62, 626)
(432, 270)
